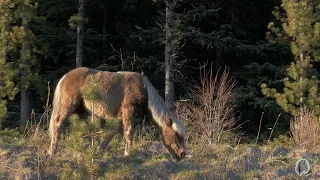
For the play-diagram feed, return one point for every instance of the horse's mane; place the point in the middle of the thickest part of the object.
(159, 109)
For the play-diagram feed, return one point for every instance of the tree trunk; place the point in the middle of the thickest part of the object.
(104, 33)
(79, 53)
(169, 56)
(24, 96)
(1, 85)
(2, 111)
(302, 64)
(24, 103)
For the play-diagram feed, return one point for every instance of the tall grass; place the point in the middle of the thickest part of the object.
(305, 129)
(211, 110)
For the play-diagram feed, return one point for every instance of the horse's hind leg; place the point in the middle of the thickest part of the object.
(54, 127)
(67, 107)
(128, 115)
(109, 136)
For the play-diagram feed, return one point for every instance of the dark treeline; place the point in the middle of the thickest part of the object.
(129, 35)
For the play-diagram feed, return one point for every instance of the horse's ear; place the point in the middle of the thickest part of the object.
(169, 121)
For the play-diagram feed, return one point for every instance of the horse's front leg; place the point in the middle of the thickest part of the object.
(128, 115)
(129, 138)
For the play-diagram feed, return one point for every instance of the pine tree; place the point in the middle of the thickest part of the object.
(85, 137)
(77, 21)
(298, 25)
(8, 88)
(18, 52)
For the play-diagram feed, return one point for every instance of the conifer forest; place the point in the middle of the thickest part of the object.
(241, 75)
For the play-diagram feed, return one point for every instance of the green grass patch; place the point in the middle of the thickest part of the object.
(188, 174)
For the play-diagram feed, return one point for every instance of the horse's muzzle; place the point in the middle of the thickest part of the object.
(182, 155)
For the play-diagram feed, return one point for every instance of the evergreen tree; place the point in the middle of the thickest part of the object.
(85, 138)
(77, 21)
(185, 34)
(18, 51)
(8, 88)
(300, 28)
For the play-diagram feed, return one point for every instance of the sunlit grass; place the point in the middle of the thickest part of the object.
(25, 156)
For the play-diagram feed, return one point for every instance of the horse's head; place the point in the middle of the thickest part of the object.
(173, 139)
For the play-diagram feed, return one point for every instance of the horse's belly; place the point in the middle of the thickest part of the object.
(102, 109)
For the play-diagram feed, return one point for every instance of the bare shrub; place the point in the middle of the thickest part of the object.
(211, 109)
(305, 130)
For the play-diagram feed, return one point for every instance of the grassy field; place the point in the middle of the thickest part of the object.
(24, 156)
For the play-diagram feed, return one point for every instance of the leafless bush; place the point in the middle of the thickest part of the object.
(305, 129)
(211, 109)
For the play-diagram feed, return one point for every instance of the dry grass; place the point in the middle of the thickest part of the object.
(305, 129)
(211, 110)
(26, 158)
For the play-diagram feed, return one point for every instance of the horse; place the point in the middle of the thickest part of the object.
(125, 95)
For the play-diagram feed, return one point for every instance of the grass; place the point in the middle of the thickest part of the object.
(25, 158)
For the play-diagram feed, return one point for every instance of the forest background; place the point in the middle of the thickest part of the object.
(242, 75)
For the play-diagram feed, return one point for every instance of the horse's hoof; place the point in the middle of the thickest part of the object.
(49, 155)
(51, 152)
(126, 153)
(102, 148)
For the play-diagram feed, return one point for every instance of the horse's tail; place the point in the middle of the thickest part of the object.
(55, 106)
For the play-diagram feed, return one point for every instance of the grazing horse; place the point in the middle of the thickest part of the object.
(125, 95)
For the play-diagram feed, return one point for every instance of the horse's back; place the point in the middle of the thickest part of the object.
(119, 90)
